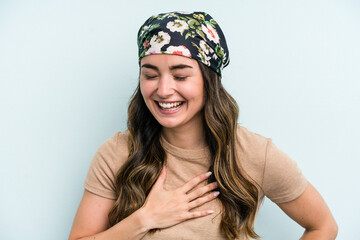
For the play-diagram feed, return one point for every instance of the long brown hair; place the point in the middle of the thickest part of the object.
(238, 193)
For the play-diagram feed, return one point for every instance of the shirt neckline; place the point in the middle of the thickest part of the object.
(189, 154)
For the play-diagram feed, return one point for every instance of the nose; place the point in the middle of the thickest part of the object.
(165, 87)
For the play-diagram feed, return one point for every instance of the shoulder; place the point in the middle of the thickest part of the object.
(251, 150)
(114, 151)
(273, 170)
(114, 148)
(116, 143)
(250, 142)
(107, 161)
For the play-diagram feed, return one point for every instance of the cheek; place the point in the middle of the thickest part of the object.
(144, 89)
(194, 91)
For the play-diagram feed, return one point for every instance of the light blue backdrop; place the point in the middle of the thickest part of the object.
(68, 68)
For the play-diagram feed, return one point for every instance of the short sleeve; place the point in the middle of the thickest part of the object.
(283, 181)
(104, 166)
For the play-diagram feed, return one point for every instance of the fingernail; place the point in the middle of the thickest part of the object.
(208, 174)
(210, 211)
(216, 185)
(216, 194)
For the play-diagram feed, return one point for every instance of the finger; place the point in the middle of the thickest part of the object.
(161, 179)
(198, 214)
(194, 182)
(201, 191)
(200, 201)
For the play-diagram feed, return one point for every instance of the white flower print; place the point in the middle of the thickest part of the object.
(224, 61)
(210, 33)
(184, 12)
(157, 42)
(177, 26)
(178, 50)
(169, 15)
(205, 47)
(144, 29)
(204, 59)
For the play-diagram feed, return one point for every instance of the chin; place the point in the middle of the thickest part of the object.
(167, 124)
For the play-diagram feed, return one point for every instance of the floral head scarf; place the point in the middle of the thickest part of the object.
(195, 35)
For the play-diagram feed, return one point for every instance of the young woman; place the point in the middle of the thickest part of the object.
(184, 169)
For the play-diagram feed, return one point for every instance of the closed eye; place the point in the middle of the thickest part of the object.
(150, 76)
(180, 77)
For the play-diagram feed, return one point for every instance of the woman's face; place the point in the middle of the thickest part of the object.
(173, 89)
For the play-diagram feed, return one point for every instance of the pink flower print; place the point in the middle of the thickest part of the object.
(178, 53)
(178, 50)
(146, 44)
(210, 33)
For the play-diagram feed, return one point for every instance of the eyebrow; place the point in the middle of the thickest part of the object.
(174, 67)
(180, 66)
(149, 66)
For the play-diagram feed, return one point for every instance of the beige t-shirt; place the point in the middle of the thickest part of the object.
(277, 175)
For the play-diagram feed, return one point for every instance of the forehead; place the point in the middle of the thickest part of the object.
(168, 60)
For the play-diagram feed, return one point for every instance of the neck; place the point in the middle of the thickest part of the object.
(186, 137)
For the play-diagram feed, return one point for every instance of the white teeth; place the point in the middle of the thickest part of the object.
(169, 105)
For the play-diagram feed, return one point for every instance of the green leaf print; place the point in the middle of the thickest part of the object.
(191, 24)
(187, 35)
(213, 23)
(200, 32)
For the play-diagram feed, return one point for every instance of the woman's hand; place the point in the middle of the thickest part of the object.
(161, 209)
(164, 208)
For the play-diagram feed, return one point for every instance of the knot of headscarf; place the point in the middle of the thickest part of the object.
(195, 35)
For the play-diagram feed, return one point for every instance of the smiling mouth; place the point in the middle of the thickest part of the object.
(166, 106)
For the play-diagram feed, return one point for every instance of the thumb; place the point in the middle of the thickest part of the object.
(161, 179)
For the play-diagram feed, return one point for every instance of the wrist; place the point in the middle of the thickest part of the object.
(143, 219)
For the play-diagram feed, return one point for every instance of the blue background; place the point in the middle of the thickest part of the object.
(68, 68)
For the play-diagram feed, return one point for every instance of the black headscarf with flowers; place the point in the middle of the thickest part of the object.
(195, 35)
